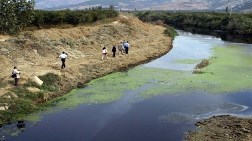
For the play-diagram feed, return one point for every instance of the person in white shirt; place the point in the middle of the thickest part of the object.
(126, 47)
(63, 57)
(16, 75)
(104, 53)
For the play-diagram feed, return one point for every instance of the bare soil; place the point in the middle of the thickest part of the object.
(222, 128)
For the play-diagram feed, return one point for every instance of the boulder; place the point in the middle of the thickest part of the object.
(38, 81)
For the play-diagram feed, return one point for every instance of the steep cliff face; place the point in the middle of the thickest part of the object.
(238, 5)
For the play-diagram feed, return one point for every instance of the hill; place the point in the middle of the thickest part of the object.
(238, 5)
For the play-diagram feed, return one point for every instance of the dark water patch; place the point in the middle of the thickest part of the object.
(159, 118)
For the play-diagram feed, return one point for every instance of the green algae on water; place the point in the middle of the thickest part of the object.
(230, 70)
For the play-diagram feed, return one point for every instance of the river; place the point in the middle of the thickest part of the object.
(160, 100)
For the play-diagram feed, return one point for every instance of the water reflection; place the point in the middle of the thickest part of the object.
(186, 47)
(21, 125)
(159, 118)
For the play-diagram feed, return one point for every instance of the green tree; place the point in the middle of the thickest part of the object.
(15, 14)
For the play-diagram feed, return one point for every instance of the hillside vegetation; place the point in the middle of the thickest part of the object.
(17, 20)
(44, 18)
(230, 23)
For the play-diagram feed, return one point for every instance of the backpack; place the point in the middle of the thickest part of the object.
(14, 75)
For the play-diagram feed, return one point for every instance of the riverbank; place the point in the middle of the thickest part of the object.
(221, 128)
(36, 53)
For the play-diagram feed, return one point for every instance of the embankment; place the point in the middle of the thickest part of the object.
(36, 53)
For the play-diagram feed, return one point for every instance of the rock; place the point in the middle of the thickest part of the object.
(80, 85)
(38, 81)
(33, 89)
(46, 96)
(13, 95)
(3, 106)
(7, 96)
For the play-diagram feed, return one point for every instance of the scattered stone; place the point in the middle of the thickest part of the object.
(9, 95)
(13, 95)
(33, 89)
(46, 96)
(4, 106)
(6, 96)
(80, 85)
(38, 81)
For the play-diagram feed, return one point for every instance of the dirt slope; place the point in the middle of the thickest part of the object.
(37, 52)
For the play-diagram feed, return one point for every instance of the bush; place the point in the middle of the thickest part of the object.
(50, 82)
(73, 17)
(170, 32)
(235, 24)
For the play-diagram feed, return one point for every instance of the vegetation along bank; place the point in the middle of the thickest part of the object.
(233, 27)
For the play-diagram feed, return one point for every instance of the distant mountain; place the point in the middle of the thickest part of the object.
(236, 5)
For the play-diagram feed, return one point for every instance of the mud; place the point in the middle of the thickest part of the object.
(222, 128)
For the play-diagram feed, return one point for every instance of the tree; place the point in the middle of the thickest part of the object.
(15, 14)
(227, 10)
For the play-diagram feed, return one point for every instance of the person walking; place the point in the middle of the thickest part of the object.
(104, 53)
(114, 50)
(126, 47)
(63, 57)
(15, 75)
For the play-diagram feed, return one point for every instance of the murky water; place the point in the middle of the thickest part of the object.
(125, 113)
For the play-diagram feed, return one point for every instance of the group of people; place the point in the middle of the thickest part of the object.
(16, 72)
(122, 47)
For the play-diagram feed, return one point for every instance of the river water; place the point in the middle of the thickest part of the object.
(142, 104)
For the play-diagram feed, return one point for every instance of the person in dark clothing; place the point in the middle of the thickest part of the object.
(126, 47)
(114, 50)
(63, 57)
